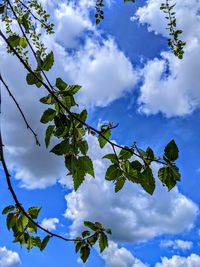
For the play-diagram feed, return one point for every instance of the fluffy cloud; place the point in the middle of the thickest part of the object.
(132, 214)
(8, 258)
(176, 244)
(49, 224)
(104, 72)
(177, 261)
(120, 257)
(97, 63)
(170, 85)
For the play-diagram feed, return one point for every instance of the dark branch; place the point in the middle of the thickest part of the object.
(20, 110)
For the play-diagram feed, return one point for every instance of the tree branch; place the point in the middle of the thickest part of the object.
(20, 110)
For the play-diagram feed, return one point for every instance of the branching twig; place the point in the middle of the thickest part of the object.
(20, 110)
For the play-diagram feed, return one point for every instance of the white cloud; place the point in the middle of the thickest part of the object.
(104, 72)
(177, 261)
(176, 244)
(8, 258)
(120, 257)
(141, 216)
(50, 223)
(172, 86)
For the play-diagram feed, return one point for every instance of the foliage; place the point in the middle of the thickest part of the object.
(127, 163)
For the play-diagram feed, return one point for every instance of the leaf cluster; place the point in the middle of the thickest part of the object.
(174, 42)
(89, 239)
(24, 230)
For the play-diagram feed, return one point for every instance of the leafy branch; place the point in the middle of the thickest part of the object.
(174, 42)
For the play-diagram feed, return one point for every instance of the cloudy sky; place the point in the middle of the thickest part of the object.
(128, 76)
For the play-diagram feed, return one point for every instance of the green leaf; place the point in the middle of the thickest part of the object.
(79, 245)
(111, 157)
(102, 141)
(149, 154)
(45, 242)
(14, 40)
(8, 209)
(22, 223)
(113, 172)
(171, 151)
(147, 180)
(85, 164)
(48, 135)
(48, 100)
(92, 239)
(35, 78)
(83, 115)
(36, 241)
(136, 165)
(124, 154)
(90, 225)
(119, 183)
(2, 9)
(22, 42)
(103, 242)
(48, 62)
(62, 148)
(78, 178)
(11, 220)
(83, 146)
(85, 233)
(60, 84)
(48, 115)
(32, 228)
(84, 253)
(169, 176)
(29, 243)
(34, 212)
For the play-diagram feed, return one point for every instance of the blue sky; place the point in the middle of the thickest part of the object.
(130, 77)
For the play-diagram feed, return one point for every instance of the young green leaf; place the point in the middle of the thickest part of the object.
(119, 183)
(48, 62)
(8, 209)
(48, 115)
(34, 212)
(85, 164)
(113, 172)
(171, 151)
(124, 154)
(84, 253)
(48, 135)
(103, 241)
(90, 225)
(147, 180)
(102, 141)
(45, 242)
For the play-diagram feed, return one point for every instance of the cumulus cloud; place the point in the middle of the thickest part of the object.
(97, 64)
(177, 261)
(170, 85)
(120, 257)
(103, 70)
(176, 244)
(9, 258)
(50, 223)
(133, 215)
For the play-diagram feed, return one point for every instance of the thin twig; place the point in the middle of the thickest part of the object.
(31, 47)
(20, 110)
(36, 18)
